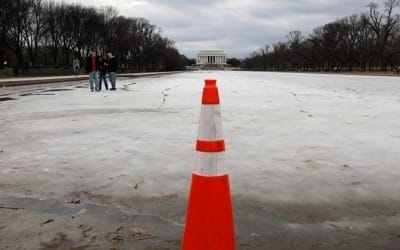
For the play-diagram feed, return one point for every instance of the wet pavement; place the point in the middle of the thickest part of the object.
(313, 161)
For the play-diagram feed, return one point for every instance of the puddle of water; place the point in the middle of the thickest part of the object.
(4, 99)
(29, 94)
(55, 90)
(125, 87)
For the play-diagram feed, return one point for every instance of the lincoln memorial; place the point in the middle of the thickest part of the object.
(207, 57)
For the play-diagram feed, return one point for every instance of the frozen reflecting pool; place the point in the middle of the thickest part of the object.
(298, 145)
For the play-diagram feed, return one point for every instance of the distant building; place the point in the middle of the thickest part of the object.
(211, 57)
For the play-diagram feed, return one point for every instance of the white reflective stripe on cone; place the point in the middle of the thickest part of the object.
(210, 125)
(210, 164)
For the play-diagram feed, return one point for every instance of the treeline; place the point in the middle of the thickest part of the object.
(36, 33)
(369, 41)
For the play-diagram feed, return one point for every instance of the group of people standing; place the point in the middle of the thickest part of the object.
(97, 67)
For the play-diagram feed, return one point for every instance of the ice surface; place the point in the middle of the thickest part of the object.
(289, 137)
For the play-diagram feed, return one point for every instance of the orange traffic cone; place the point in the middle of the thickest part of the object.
(209, 219)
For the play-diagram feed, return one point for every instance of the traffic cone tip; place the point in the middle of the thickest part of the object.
(210, 92)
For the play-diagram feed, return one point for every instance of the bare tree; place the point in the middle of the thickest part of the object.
(53, 28)
(383, 25)
(77, 30)
(15, 38)
(109, 14)
(33, 29)
(5, 24)
(368, 40)
(295, 43)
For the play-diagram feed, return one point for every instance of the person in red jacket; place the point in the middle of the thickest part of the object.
(92, 67)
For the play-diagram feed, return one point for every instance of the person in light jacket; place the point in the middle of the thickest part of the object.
(76, 66)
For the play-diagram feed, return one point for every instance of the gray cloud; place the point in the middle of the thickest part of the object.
(236, 26)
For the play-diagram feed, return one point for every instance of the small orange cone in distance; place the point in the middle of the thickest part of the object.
(209, 220)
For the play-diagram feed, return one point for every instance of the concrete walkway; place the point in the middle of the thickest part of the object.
(17, 81)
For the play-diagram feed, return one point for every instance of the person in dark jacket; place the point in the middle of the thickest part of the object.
(112, 70)
(92, 67)
(103, 72)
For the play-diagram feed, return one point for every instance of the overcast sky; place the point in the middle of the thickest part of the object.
(238, 27)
